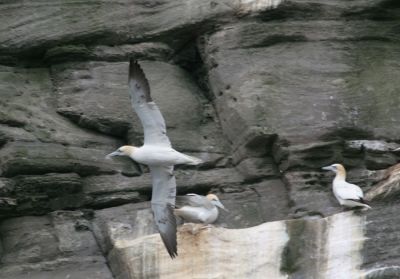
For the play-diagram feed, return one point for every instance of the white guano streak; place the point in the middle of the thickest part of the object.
(345, 238)
(218, 253)
(258, 5)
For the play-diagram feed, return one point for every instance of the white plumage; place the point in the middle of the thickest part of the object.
(194, 208)
(198, 214)
(349, 195)
(161, 156)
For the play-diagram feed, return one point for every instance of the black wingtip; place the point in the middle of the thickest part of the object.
(133, 66)
(134, 69)
(167, 229)
(136, 73)
(364, 201)
(361, 201)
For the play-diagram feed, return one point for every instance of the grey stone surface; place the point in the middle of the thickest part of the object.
(68, 53)
(51, 246)
(257, 168)
(310, 194)
(257, 203)
(88, 23)
(38, 194)
(193, 181)
(315, 83)
(41, 158)
(307, 155)
(381, 253)
(28, 112)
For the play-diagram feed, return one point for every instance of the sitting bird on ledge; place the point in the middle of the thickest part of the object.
(193, 208)
(348, 195)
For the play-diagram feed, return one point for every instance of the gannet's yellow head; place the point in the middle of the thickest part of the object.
(125, 150)
(215, 201)
(336, 168)
(212, 197)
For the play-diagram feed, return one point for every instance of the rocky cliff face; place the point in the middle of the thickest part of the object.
(266, 92)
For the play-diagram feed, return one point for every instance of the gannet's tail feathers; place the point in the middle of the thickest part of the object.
(193, 160)
(365, 203)
(362, 202)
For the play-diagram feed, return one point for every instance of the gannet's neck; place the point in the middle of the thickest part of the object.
(340, 174)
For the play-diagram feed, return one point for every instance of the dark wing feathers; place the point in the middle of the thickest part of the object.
(166, 225)
(360, 200)
(136, 75)
(162, 204)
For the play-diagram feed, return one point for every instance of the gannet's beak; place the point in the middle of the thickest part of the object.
(330, 168)
(112, 154)
(220, 205)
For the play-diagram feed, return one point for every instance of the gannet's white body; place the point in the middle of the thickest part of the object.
(153, 155)
(349, 195)
(198, 209)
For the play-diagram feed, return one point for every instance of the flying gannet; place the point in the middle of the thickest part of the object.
(349, 195)
(158, 154)
(198, 209)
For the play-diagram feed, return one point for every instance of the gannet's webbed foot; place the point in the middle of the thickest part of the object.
(188, 227)
(208, 226)
(199, 227)
(193, 228)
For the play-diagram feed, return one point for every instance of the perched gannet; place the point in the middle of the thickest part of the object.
(349, 195)
(158, 154)
(198, 209)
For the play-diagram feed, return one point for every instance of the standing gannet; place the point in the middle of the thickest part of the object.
(198, 209)
(349, 195)
(158, 154)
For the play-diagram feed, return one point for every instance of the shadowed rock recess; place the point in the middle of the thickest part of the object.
(265, 91)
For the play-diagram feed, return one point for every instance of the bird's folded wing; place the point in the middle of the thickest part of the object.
(192, 200)
(349, 192)
(162, 204)
(153, 123)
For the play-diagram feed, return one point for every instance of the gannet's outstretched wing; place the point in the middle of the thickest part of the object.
(162, 204)
(193, 200)
(153, 123)
(163, 180)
